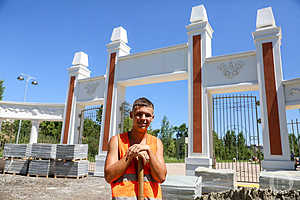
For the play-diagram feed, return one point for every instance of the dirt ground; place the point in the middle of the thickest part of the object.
(15, 187)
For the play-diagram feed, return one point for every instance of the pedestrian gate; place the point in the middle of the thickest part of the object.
(237, 142)
(89, 129)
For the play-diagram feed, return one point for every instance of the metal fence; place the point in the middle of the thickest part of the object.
(237, 142)
(294, 137)
(89, 130)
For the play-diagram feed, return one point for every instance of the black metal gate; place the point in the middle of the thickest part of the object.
(89, 130)
(236, 136)
(294, 138)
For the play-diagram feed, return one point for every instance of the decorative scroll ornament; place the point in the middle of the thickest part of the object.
(231, 69)
(91, 88)
(294, 91)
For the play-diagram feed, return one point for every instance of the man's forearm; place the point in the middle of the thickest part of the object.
(116, 170)
(158, 169)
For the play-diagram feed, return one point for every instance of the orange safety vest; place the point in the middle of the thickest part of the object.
(126, 187)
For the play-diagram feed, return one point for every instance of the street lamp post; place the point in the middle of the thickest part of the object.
(33, 82)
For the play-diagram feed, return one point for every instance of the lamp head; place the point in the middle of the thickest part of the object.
(20, 78)
(34, 82)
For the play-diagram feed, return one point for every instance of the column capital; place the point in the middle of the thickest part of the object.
(199, 22)
(118, 42)
(79, 66)
(266, 28)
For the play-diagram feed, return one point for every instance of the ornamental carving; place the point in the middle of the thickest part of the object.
(90, 88)
(294, 91)
(231, 69)
(43, 112)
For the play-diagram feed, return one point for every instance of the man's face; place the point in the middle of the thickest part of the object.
(142, 117)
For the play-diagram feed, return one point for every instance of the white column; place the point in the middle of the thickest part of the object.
(199, 27)
(78, 71)
(34, 134)
(114, 94)
(267, 39)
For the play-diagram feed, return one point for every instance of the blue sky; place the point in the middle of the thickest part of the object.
(40, 37)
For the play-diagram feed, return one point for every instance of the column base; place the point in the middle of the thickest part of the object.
(191, 163)
(99, 168)
(272, 165)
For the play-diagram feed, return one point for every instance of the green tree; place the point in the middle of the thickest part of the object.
(49, 132)
(294, 146)
(244, 153)
(166, 136)
(230, 145)
(153, 132)
(181, 132)
(126, 121)
(1, 89)
(91, 134)
(219, 148)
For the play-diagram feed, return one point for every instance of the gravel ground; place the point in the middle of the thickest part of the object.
(14, 187)
(36, 188)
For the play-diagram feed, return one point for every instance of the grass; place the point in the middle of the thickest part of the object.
(173, 160)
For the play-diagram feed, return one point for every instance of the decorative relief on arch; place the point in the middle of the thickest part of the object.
(231, 69)
(294, 91)
(90, 88)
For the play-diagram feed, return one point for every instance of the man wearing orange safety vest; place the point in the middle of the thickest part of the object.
(124, 150)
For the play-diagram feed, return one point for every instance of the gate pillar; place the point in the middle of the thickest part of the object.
(114, 95)
(78, 71)
(267, 39)
(34, 134)
(199, 47)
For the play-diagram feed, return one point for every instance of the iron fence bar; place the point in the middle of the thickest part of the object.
(298, 138)
(231, 115)
(214, 128)
(258, 141)
(240, 122)
(246, 136)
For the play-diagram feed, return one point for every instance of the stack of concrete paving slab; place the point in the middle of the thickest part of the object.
(16, 166)
(181, 187)
(41, 167)
(280, 180)
(17, 150)
(216, 180)
(43, 151)
(71, 152)
(71, 168)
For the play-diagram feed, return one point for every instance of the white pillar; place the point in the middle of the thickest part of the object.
(199, 47)
(267, 39)
(34, 134)
(78, 71)
(114, 95)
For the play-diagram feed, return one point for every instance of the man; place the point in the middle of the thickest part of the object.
(125, 149)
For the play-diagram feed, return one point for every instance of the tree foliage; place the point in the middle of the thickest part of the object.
(166, 136)
(1, 90)
(232, 146)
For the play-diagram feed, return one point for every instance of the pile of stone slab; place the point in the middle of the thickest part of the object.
(71, 152)
(43, 151)
(71, 168)
(41, 167)
(47, 159)
(16, 166)
(16, 151)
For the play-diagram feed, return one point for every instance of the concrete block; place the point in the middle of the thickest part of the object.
(280, 180)
(181, 187)
(99, 167)
(216, 180)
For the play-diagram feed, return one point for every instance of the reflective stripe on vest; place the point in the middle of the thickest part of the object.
(132, 198)
(133, 177)
(126, 187)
